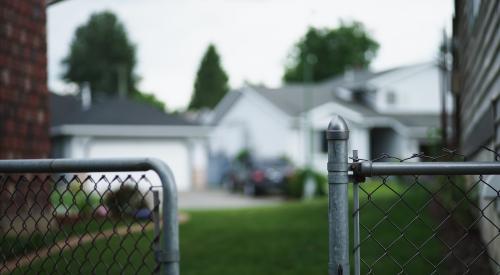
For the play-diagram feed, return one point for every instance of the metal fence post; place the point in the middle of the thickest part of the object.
(337, 135)
(170, 255)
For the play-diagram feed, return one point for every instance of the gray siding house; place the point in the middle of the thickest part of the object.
(476, 89)
(476, 83)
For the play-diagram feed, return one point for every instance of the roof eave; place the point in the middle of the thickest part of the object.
(152, 131)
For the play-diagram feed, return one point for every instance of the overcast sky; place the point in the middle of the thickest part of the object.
(253, 36)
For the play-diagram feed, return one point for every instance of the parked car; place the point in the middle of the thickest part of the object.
(234, 179)
(256, 177)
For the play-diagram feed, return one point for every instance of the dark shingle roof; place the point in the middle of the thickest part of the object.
(293, 101)
(67, 109)
(350, 79)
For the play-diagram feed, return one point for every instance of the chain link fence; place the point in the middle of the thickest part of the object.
(87, 217)
(424, 214)
(424, 224)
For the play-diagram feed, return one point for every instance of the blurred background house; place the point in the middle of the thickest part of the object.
(395, 111)
(115, 127)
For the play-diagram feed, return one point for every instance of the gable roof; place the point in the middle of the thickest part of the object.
(225, 105)
(417, 120)
(296, 99)
(400, 73)
(350, 79)
(67, 110)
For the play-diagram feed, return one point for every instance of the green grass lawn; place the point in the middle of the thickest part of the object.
(396, 224)
(286, 239)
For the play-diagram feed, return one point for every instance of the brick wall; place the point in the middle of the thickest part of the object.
(24, 129)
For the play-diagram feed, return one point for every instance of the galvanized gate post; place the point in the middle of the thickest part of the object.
(337, 135)
(169, 256)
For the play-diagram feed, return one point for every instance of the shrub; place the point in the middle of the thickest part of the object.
(125, 201)
(295, 185)
(244, 156)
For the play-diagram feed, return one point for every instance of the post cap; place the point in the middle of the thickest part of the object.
(337, 128)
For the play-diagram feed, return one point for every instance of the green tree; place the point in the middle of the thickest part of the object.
(102, 55)
(211, 82)
(323, 53)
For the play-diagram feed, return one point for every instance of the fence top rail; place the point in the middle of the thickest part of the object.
(369, 168)
(80, 165)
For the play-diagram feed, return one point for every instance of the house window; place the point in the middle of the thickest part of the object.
(391, 98)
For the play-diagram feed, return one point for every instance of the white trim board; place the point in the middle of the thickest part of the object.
(130, 130)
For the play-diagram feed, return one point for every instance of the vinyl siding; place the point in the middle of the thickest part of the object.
(477, 67)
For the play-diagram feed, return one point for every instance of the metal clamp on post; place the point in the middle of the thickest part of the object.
(165, 257)
(355, 167)
(337, 175)
(337, 135)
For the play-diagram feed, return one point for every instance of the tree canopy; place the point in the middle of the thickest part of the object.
(324, 53)
(211, 82)
(102, 56)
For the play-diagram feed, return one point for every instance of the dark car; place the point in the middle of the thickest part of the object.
(236, 176)
(258, 177)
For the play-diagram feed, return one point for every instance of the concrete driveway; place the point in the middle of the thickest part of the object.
(218, 199)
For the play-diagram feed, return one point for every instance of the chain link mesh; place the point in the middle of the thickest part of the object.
(78, 224)
(429, 224)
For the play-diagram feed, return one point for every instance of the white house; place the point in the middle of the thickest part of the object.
(394, 111)
(119, 128)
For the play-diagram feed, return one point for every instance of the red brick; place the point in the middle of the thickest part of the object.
(24, 99)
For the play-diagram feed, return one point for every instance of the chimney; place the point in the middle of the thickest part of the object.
(122, 81)
(86, 95)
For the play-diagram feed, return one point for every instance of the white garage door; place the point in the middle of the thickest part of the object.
(173, 152)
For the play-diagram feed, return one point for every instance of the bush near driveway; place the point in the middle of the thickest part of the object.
(126, 201)
(295, 185)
